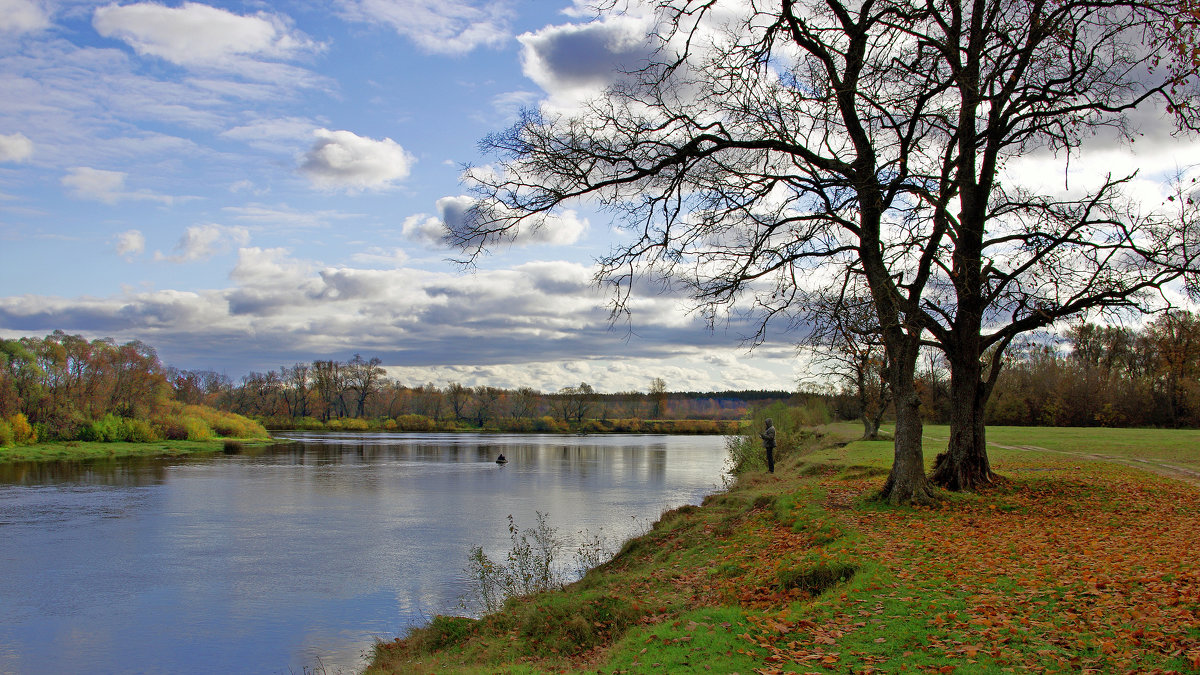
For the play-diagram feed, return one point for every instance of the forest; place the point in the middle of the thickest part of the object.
(66, 387)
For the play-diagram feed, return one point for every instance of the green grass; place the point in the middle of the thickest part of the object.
(1180, 446)
(1055, 569)
(76, 450)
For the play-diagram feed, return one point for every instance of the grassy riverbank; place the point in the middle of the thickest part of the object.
(1070, 564)
(76, 450)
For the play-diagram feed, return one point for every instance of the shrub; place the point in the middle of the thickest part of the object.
(224, 423)
(308, 424)
(549, 425)
(355, 424)
(105, 430)
(197, 429)
(172, 428)
(23, 433)
(139, 431)
(6, 434)
(414, 423)
(793, 426)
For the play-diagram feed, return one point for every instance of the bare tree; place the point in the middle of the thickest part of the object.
(363, 376)
(846, 340)
(758, 161)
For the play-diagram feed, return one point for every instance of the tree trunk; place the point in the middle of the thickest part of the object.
(870, 427)
(906, 484)
(965, 465)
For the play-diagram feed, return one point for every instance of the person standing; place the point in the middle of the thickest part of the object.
(768, 439)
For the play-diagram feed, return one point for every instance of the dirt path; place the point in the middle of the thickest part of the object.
(1183, 473)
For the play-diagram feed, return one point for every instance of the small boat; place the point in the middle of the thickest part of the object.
(501, 460)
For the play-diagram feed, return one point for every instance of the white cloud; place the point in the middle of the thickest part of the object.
(22, 16)
(546, 324)
(285, 217)
(424, 228)
(272, 134)
(439, 26)
(345, 160)
(377, 255)
(194, 34)
(15, 147)
(130, 243)
(201, 242)
(557, 230)
(508, 105)
(105, 186)
(88, 183)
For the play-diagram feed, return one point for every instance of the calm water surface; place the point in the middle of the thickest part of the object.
(296, 557)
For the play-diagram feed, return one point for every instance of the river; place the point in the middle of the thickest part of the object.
(294, 558)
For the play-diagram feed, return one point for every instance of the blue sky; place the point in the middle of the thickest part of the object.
(245, 185)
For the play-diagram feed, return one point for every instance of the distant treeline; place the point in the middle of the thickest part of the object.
(357, 394)
(64, 387)
(1106, 376)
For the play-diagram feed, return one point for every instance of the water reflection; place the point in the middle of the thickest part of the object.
(268, 560)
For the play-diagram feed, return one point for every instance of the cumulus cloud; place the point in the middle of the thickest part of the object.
(560, 230)
(201, 242)
(130, 243)
(582, 59)
(439, 26)
(22, 16)
(345, 160)
(15, 147)
(195, 34)
(105, 186)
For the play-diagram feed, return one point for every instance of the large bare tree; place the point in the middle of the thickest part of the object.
(765, 151)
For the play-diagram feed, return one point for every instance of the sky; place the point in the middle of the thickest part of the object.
(247, 185)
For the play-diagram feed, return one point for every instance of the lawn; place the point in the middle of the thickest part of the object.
(1066, 565)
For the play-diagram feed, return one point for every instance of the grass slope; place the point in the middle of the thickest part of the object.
(1067, 565)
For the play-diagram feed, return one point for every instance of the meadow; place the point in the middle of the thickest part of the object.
(1072, 562)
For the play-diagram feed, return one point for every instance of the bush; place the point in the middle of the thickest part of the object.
(113, 429)
(307, 424)
(793, 426)
(197, 429)
(6, 434)
(548, 424)
(224, 423)
(105, 430)
(139, 431)
(172, 428)
(22, 432)
(414, 423)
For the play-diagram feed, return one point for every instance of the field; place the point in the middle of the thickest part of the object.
(1069, 564)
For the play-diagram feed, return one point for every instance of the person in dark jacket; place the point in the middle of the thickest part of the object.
(768, 439)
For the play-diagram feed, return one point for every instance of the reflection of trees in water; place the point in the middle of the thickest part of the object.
(583, 459)
(122, 472)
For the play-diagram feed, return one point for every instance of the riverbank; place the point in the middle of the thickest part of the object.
(1070, 563)
(80, 450)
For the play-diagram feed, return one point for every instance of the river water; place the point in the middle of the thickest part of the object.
(295, 558)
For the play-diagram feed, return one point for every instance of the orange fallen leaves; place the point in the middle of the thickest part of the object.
(1093, 571)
